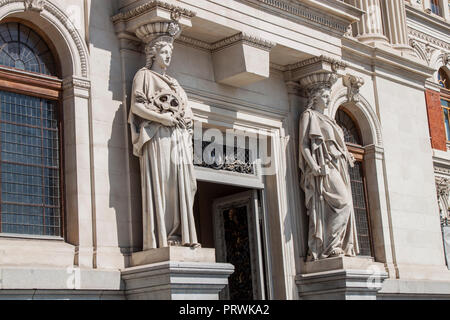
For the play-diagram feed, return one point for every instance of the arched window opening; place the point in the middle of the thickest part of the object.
(23, 49)
(358, 182)
(444, 82)
(443, 79)
(30, 135)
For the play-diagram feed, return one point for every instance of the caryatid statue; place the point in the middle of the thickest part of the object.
(161, 128)
(324, 160)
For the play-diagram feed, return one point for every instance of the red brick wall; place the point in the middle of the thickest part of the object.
(436, 120)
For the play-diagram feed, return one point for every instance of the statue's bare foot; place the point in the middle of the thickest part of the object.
(174, 243)
(193, 245)
(336, 253)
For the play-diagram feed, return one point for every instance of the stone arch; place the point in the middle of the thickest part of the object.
(365, 116)
(370, 128)
(73, 56)
(71, 49)
(438, 61)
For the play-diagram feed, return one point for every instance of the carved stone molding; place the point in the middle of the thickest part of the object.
(317, 81)
(315, 73)
(353, 84)
(423, 50)
(34, 5)
(335, 64)
(152, 5)
(428, 39)
(245, 38)
(299, 11)
(75, 82)
(222, 44)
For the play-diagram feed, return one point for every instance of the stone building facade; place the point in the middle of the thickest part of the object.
(71, 213)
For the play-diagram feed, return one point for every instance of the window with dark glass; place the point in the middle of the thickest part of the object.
(358, 182)
(30, 157)
(435, 7)
(444, 82)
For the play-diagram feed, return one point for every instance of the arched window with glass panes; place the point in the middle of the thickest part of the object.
(444, 83)
(30, 134)
(358, 182)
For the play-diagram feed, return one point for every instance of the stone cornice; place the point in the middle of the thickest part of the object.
(428, 39)
(151, 5)
(336, 64)
(245, 38)
(437, 22)
(222, 44)
(387, 59)
(300, 11)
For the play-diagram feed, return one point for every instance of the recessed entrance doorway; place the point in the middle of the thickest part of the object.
(231, 220)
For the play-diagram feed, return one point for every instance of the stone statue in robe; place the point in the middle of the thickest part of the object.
(324, 163)
(161, 128)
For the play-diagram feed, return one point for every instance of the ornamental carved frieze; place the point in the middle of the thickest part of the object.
(426, 46)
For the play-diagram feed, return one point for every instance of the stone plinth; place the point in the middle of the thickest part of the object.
(175, 273)
(179, 254)
(341, 278)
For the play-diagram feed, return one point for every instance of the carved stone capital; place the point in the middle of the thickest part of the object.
(152, 20)
(353, 84)
(317, 81)
(321, 64)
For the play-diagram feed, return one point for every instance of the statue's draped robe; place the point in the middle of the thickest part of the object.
(331, 217)
(167, 172)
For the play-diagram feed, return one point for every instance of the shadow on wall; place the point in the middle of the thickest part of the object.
(106, 67)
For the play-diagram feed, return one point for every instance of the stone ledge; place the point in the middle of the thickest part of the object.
(341, 263)
(61, 295)
(179, 254)
(36, 253)
(410, 289)
(22, 278)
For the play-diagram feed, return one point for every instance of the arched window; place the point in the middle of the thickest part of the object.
(444, 82)
(358, 182)
(30, 134)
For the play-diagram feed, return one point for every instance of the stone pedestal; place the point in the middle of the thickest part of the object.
(341, 278)
(175, 273)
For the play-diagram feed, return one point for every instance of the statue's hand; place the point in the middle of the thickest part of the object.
(352, 159)
(317, 171)
(168, 120)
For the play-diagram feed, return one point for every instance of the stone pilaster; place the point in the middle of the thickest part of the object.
(370, 27)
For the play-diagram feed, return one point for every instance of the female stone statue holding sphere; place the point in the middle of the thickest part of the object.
(324, 161)
(161, 125)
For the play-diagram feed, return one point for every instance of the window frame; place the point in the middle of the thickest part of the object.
(44, 87)
(445, 95)
(359, 153)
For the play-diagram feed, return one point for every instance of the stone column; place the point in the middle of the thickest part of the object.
(395, 19)
(370, 27)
